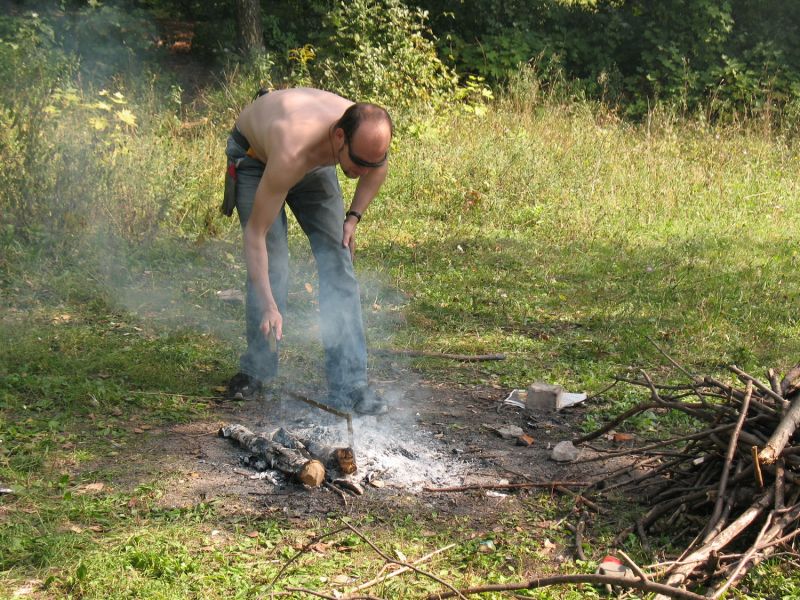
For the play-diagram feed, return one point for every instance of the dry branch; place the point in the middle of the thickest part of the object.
(458, 357)
(399, 571)
(781, 435)
(508, 486)
(734, 483)
(639, 584)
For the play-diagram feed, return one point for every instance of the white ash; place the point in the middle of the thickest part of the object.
(398, 454)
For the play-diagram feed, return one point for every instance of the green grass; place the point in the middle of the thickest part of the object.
(553, 234)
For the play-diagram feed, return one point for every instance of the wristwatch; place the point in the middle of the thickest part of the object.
(353, 213)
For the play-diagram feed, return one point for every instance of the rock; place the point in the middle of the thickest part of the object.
(507, 432)
(564, 452)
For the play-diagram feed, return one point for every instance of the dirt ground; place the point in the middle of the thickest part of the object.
(434, 436)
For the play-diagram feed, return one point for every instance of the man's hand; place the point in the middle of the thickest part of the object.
(349, 236)
(272, 323)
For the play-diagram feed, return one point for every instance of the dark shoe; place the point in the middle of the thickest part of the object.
(366, 401)
(244, 387)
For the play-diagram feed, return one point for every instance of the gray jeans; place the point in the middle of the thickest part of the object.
(316, 202)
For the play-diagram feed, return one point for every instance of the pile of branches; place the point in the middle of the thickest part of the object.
(733, 486)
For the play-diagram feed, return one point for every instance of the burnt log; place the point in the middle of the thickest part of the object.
(292, 461)
(342, 459)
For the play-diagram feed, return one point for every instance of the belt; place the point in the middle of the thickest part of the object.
(239, 138)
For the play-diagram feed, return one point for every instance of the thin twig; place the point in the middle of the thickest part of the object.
(603, 391)
(328, 597)
(422, 354)
(777, 397)
(508, 486)
(726, 469)
(304, 549)
(634, 567)
(336, 489)
(638, 584)
(691, 377)
(734, 576)
(401, 570)
(389, 559)
(683, 438)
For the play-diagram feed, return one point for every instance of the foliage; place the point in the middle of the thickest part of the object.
(734, 56)
(381, 51)
(31, 65)
(110, 37)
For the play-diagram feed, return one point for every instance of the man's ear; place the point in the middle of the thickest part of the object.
(338, 135)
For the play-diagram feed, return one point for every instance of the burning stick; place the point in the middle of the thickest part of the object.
(346, 416)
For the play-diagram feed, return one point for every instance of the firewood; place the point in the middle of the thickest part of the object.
(342, 459)
(291, 461)
(782, 434)
(741, 463)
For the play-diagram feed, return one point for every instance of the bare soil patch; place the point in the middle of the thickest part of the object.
(434, 436)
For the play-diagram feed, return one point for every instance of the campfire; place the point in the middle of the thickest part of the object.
(322, 446)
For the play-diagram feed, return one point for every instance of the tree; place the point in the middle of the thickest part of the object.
(248, 27)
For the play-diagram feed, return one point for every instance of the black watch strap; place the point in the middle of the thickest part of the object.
(353, 213)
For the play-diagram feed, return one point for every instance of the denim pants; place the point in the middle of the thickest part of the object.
(316, 202)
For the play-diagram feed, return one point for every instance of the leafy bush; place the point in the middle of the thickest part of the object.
(382, 51)
(31, 67)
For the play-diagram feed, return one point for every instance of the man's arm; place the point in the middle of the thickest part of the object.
(275, 184)
(366, 190)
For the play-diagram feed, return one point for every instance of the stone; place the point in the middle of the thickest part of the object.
(564, 452)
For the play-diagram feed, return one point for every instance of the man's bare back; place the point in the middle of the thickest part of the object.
(294, 122)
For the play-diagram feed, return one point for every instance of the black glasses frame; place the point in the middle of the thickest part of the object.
(357, 160)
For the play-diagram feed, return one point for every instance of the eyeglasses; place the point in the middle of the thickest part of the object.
(356, 160)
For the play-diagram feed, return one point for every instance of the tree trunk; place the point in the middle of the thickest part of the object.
(248, 27)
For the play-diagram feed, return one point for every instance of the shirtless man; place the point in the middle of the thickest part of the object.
(285, 148)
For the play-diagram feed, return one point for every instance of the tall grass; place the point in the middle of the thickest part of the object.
(566, 238)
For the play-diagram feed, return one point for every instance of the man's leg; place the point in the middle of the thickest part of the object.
(317, 203)
(259, 364)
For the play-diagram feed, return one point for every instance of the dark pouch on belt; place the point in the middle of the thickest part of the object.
(229, 199)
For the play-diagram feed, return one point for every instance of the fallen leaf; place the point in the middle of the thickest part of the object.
(622, 437)
(320, 547)
(524, 440)
(96, 528)
(377, 483)
(252, 534)
(93, 488)
(138, 430)
(221, 389)
(309, 288)
(341, 579)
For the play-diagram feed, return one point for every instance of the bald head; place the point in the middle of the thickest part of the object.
(362, 113)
